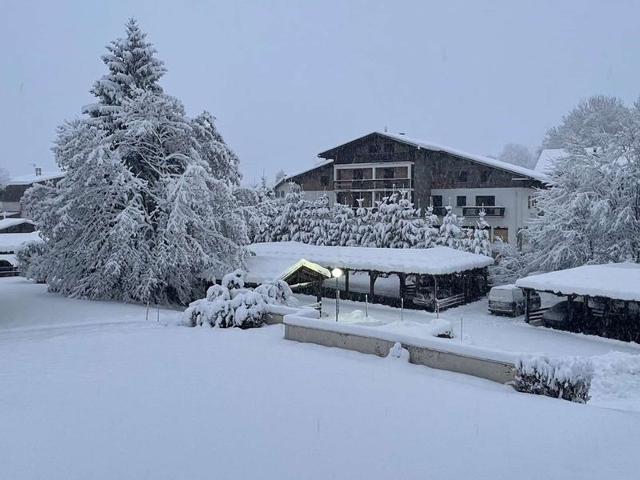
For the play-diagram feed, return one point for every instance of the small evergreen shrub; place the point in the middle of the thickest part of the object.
(568, 378)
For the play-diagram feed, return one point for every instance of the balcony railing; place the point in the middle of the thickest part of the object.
(372, 184)
(489, 211)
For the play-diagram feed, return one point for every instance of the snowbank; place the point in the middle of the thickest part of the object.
(11, 242)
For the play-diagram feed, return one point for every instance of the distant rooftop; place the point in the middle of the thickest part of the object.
(35, 177)
(548, 157)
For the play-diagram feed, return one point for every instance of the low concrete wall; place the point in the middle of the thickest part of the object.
(497, 371)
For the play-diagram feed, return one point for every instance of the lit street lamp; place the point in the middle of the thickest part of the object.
(337, 273)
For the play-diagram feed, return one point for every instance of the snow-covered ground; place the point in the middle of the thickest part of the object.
(92, 390)
(617, 364)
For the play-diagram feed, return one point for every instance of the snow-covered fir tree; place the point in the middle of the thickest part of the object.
(451, 232)
(132, 66)
(140, 214)
(480, 242)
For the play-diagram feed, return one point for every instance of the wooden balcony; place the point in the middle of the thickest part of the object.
(372, 184)
(474, 211)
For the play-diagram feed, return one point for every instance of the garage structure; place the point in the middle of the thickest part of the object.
(601, 299)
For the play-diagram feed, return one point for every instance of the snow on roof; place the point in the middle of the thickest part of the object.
(12, 259)
(10, 242)
(619, 281)
(548, 158)
(267, 268)
(317, 165)
(10, 222)
(429, 261)
(491, 162)
(33, 178)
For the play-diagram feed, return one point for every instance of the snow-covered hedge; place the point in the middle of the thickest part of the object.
(568, 378)
(232, 305)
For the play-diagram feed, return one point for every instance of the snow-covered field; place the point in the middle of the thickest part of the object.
(92, 390)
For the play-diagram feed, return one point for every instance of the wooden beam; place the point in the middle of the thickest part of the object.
(372, 281)
(346, 280)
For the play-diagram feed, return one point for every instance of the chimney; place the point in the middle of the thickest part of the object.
(38, 171)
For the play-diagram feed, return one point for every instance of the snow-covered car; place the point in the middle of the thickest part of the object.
(557, 316)
(509, 300)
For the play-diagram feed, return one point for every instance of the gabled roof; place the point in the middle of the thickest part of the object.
(307, 170)
(491, 162)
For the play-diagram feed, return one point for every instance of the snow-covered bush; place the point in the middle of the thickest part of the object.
(276, 292)
(29, 256)
(234, 279)
(233, 305)
(568, 378)
(441, 328)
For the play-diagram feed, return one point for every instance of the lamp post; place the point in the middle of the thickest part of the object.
(337, 273)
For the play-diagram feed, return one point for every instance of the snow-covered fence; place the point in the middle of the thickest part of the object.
(453, 357)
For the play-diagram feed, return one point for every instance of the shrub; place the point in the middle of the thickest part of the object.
(29, 258)
(232, 305)
(568, 378)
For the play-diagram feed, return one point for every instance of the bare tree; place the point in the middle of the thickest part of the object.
(518, 155)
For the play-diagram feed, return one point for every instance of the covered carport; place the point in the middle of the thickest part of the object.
(601, 299)
(433, 278)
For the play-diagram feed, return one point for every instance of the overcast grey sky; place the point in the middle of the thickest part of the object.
(288, 79)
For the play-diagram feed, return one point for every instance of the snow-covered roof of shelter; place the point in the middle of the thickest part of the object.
(427, 261)
(491, 162)
(11, 222)
(267, 268)
(548, 157)
(11, 258)
(33, 178)
(619, 281)
(10, 242)
(307, 170)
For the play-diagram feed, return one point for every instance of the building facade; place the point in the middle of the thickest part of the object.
(371, 167)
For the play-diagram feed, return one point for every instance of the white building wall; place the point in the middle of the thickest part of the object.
(514, 200)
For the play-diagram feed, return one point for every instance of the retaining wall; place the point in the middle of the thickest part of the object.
(497, 370)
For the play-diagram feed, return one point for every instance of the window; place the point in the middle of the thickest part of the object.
(387, 172)
(436, 200)
(532, 201)
(324, 180)
(484, 176)
(463, 176)
(388, 148)
(373, 148)
(461, 201)
(485, 201)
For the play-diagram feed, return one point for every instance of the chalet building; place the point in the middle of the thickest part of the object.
(11, 196)
(373, 166)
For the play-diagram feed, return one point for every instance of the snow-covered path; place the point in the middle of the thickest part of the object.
(128, 399)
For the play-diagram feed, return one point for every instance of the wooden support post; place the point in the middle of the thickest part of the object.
(346, 281)
(372, 281)
(403, 284)
(527, 304)
(435, 296)
(319, 291)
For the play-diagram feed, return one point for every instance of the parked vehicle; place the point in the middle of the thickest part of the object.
(557, 316)
(509, 300)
